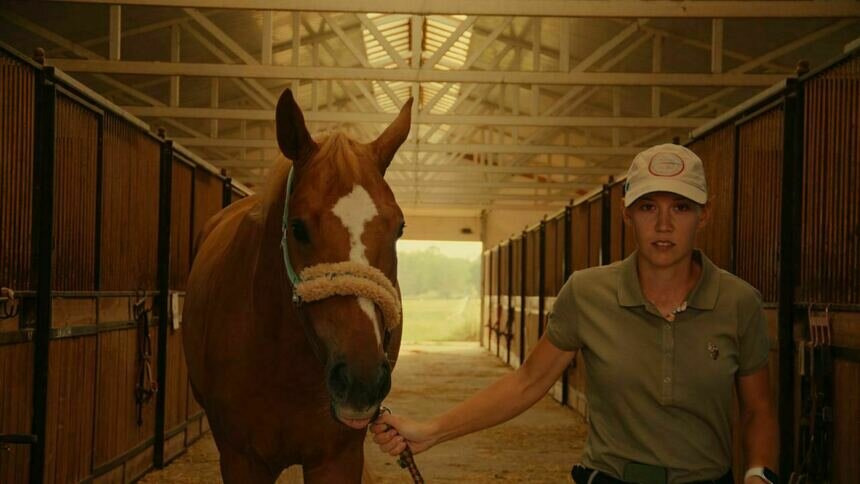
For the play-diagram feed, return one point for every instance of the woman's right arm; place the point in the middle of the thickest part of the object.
(503, 400)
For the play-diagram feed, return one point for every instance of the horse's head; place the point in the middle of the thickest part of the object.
(340, 209)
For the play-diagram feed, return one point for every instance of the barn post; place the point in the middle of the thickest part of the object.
(227, 191)
(524, 256)
(605, 225)
(164, 204)
(789, 260)
(567, 270)
(42, 240)
(541, 275)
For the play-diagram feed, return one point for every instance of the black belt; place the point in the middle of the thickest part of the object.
(586, 475)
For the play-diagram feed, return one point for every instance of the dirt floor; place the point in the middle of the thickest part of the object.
(539, 446)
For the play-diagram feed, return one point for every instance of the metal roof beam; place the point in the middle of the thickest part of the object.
(530, 8)
(416, 75)
(495, 120)
(474, 170)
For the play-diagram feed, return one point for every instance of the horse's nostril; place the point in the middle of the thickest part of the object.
(384, 382)
(339, 381)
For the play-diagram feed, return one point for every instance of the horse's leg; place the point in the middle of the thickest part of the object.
(345, 468)
(242, 468)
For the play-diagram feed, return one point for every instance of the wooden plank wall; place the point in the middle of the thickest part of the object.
(16, 408)
(75, 178)
(532, 277)
(616, 222)
(717, 151)
(177, 386)
(759, 190)
(511, 339)
(106, 189)
(830, 241)
(129, 235)
(17, 117)
(71, 375)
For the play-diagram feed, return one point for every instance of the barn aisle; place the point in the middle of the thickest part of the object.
(539, 446)
(536, 447)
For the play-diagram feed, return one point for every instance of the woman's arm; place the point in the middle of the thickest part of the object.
(760, 431)
(505, 399)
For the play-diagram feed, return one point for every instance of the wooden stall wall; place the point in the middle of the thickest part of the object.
(554, 269)
(759, 194)
(176, 376)
(129, 262)
(829, 272)
(494, 307)
(498, 340)
(717, 151)
(17, 117)
(486, 296)
(510, 336)
(616, 221)
(585, 245)
(71, 376)
(531, 275)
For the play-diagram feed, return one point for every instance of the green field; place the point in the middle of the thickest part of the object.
(426, 319)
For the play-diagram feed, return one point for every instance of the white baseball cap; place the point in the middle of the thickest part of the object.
(666, 168)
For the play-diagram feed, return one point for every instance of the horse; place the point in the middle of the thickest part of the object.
(292, 322)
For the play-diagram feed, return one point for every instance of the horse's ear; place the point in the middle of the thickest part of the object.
(293, 137)
(394, 135)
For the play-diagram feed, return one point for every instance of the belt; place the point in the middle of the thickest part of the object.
(586, 475)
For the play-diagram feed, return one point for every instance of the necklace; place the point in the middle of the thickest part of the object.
(670, 316)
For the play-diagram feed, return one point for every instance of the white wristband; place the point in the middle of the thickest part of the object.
(757, 472)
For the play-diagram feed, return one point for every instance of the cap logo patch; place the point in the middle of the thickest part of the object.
(666, 164)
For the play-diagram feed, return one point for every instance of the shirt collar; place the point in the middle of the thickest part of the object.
(703, 295)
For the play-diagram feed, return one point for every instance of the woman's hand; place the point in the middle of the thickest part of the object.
(393, 433)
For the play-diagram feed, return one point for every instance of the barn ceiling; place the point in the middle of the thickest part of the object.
(520, 104)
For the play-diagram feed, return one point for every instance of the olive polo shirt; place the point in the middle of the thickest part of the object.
(660, 392)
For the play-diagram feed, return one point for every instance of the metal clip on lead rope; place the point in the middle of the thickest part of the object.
(406, 459)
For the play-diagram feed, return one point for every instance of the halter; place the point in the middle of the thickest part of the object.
(348, 278)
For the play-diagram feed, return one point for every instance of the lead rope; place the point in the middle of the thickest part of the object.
(406, 460)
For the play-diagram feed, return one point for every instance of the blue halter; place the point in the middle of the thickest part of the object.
(285, 225)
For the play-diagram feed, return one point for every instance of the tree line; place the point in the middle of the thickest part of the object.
(430, 274)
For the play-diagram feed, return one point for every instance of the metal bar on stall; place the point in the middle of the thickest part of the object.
(227, 191)
(524, 257)
(164, 205)
(567, 270)
(510, 301)
(605, 226)
(542, 275)
(43, 228)
(790, 219)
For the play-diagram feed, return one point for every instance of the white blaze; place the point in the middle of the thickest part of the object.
(354, 210)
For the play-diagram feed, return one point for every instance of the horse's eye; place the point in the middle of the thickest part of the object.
(300, 232)
(400, 231)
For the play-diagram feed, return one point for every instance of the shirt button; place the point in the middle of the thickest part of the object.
(668, 379)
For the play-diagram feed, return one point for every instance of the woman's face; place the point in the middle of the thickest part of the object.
(665, 226)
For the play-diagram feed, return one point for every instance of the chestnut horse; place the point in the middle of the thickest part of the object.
(285, 379)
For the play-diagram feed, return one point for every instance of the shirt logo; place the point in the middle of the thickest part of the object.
(713, 350)
(666, 164)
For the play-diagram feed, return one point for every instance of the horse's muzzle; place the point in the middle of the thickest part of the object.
(356, 397)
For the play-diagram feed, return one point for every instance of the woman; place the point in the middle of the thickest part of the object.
(665, 336)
